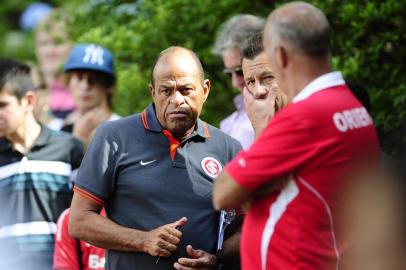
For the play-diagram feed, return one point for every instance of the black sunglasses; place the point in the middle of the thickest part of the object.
(237, 70)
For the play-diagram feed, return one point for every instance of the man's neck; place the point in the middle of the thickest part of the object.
(306, 71)
(24, 137)
(104, 111)
(184, 135)
(103, 108)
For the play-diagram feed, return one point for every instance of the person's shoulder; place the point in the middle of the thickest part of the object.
(323, 102)
(214, 131)
(228, 119)
(299, 110)
(4, 144)
(122, 122)
(217, 134)
(120, 129)
(328, 97)
(114, 117)
(64, 138)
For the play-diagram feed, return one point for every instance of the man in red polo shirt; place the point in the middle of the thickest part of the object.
(73, 254)
(312, 143)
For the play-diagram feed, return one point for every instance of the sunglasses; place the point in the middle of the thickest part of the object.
(237, 70)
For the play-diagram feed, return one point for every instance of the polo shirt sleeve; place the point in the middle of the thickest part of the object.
(97, 173)
(284, 146)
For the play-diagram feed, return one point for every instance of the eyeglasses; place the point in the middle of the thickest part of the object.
(237, 70)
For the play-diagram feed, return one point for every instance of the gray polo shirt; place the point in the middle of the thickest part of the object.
(130, 170)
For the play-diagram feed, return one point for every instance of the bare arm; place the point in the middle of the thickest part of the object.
(86, 224)
(227, 193)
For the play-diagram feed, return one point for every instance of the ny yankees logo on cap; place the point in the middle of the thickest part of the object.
(90, 57)
(94, 55)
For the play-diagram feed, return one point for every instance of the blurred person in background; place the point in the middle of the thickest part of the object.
(73, 254)
(90, 77)
(52, 49)
(42, 111)
(372, 216)
(230, 38)
(36, 164)
(33, 14)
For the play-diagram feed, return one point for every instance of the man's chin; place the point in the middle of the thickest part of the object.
(180, 129)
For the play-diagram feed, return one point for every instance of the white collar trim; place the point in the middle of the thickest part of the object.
(324, 81)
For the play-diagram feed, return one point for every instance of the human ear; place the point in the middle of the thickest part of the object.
(151, 90)
(30, 99)
(206, 88)
(282, 57)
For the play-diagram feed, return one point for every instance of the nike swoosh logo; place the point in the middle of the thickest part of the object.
(147, 162)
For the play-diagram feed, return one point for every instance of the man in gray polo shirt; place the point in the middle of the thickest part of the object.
(153, 172)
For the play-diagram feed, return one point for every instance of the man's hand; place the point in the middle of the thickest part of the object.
(88, 122)
(260, 108)
(199, 259)
(164, 240)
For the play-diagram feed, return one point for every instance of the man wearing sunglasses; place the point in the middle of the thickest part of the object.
(228, 45)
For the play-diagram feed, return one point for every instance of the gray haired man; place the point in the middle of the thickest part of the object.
(228, 45)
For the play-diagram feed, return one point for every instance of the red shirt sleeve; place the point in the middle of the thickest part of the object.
(285, 145)
(66, 253)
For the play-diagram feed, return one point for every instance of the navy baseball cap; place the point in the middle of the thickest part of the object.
(91, 57)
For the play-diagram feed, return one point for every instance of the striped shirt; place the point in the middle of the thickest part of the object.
(34, 190)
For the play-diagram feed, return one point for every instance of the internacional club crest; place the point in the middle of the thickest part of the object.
(211, 166)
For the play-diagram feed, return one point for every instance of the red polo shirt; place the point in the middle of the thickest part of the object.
(72, 254)
(315, 141)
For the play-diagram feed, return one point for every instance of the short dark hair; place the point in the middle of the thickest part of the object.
(252, 46)
(17, 75)
(102, 78)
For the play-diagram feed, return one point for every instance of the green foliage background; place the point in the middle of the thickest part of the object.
(368, 46)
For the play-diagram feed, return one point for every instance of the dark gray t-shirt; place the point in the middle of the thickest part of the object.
(128, 168)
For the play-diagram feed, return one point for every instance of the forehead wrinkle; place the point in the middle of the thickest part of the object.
(259, 61)
(180, 61)
(259, 70)
(183, 80)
